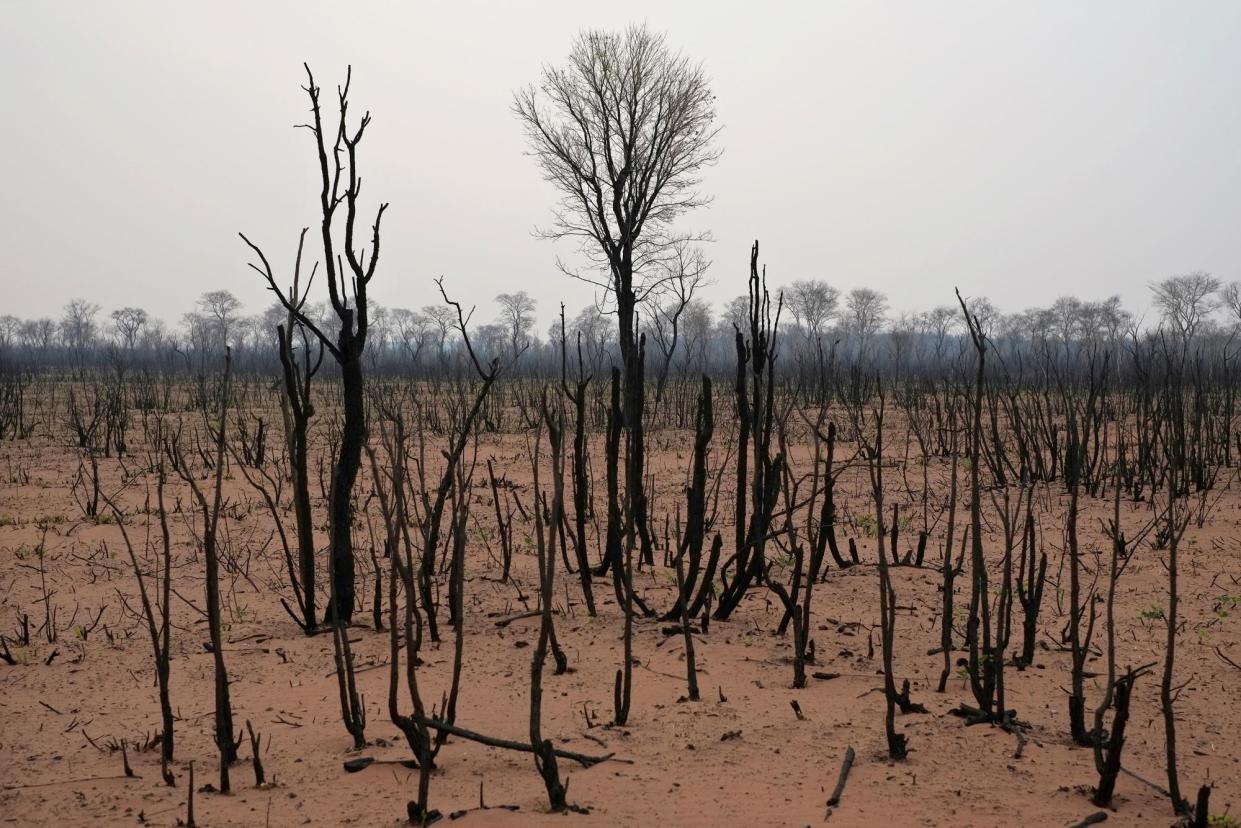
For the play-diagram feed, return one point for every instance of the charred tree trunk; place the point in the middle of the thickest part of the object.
(340, 182)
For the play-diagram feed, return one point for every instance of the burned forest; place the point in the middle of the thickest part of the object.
(797, 558)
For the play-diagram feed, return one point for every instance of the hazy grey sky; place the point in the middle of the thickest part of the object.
(1020, 150)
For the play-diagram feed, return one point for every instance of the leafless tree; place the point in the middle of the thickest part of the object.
(736, 315)
(1116, 320)
(517, 316)
(128, 324)
(297, 371)
(696, 324)
(866, 308)
(940, 321)
(1063, 316)
(1175, 520)
(10, 328)
(623, 132)
(1230, 295)
(157, 613)
(412, 331)
(77, 324)
(220, 308)
(38, 334)
(442, 320)
(1186, 301)
(597, 336)
(341, 185)
(686, 268)
(813, 303)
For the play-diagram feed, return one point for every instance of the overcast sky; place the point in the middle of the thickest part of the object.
(1019, 150)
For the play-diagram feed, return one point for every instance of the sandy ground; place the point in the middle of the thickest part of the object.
(740, 756)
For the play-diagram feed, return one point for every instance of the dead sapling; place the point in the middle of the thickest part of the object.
(211, 511)
(544, 754)
(1109, 746)
(158, 617)
(256, 757)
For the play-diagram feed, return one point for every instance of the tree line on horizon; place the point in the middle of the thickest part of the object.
(688, 334)
(1080, 400)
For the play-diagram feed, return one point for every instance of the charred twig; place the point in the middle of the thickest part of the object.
(845, 767)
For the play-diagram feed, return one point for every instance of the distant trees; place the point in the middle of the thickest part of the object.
(411, 331)
(10, 327)
(736, 315)
(220, 309)
(1230, 297)
(128, 323)
(77, 324)
(866, 309)
(939, 322)
(1069, 323)
(155, 336)
(813, 303)
(380, 333)
(491, 340)
(272, 316)
(597, 333)
(688, 330)
(697, 322)
(1184, 302)
(686, 271)
(517, 317)
(38, 334)
(441, 318)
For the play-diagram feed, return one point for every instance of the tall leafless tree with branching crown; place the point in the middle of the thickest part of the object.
(341, 187)
(623, 132)
(1186, 301)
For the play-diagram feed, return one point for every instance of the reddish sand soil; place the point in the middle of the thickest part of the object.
(738, 757)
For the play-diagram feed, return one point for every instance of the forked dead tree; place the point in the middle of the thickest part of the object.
(576, 396)
(544, 755)
(758, 485)
(691, 538)
(341, 182)
(1031, 579)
